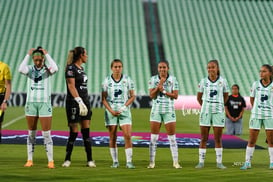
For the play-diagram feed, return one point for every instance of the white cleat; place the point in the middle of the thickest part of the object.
(66, 164)
(176, 165)
(91, 164)
(151, 165)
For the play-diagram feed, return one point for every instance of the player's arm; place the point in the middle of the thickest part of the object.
(73, 91)
(7, 95)
(252, 100)
(106, 104)
(173, 94)
(71, 87)
(225, 97)
(52, 67)
(131, 98)
(154, 92)
(199, 98)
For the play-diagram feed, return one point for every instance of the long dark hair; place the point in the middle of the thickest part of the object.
(74, 55)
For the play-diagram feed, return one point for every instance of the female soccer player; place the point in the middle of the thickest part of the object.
(212, 94)
(117, 96)
(38, 105)
(234, 108)
(5, 90)
(77, 104)
(163, 90)
(261, 98)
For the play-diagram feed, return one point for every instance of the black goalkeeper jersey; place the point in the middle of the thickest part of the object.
(72, 71)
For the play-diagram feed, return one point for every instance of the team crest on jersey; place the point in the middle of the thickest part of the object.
(70, 73)
(110, 85)
(220, 84)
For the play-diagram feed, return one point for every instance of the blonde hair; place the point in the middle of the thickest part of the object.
(74, 55)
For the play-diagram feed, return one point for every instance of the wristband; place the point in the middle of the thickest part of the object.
(5, 101)
(164, 92)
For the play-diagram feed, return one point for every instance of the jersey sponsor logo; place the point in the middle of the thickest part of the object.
(264, 97)
(36, 79)
(117, 92)
(37, 88)
(213, 93)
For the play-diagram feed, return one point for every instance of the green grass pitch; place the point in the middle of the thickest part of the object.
(13, 157)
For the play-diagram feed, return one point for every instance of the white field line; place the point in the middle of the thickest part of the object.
(13, 121)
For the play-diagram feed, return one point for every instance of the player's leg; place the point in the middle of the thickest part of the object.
(127, 130)
(155, 129)
(85, 125)
(48, 142)
(72, 114)
(170, 129)
(113, 145)
(254, 129)
(31, 139)
(203, 145)
(253, 135)
(155, 124)
(268, 124)
(73, 133)
(205, 123)
(218, 131)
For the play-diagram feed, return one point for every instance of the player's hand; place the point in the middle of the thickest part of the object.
(123, 108)
(30, 51)
(82, 106)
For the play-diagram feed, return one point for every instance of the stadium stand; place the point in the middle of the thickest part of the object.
(109, 29)
(237, 33)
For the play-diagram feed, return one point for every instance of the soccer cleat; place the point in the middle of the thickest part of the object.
(220, 166)
(115, 165)
(271, 166)
(176, 165)
(200, 165)
(247, 165)
(151, 165)
(130, 165)
(50, 165)
(66, 163)
(91, 164)
(29, 163)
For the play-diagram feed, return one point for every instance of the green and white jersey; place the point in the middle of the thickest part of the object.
(162, 103)
(263, 100)
(118, 92)
(39, 85)
(213, 99)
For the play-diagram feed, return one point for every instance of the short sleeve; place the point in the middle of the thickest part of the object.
(131, 84)
(175, 84)
(151, 83)
(70, 72)
(7, 73)
(226, 87)
(104, 85)
(201, 86)
(252, 90)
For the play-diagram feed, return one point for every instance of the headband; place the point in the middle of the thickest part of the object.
(37, 54)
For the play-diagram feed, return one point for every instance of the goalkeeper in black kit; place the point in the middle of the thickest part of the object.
(77, 104)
